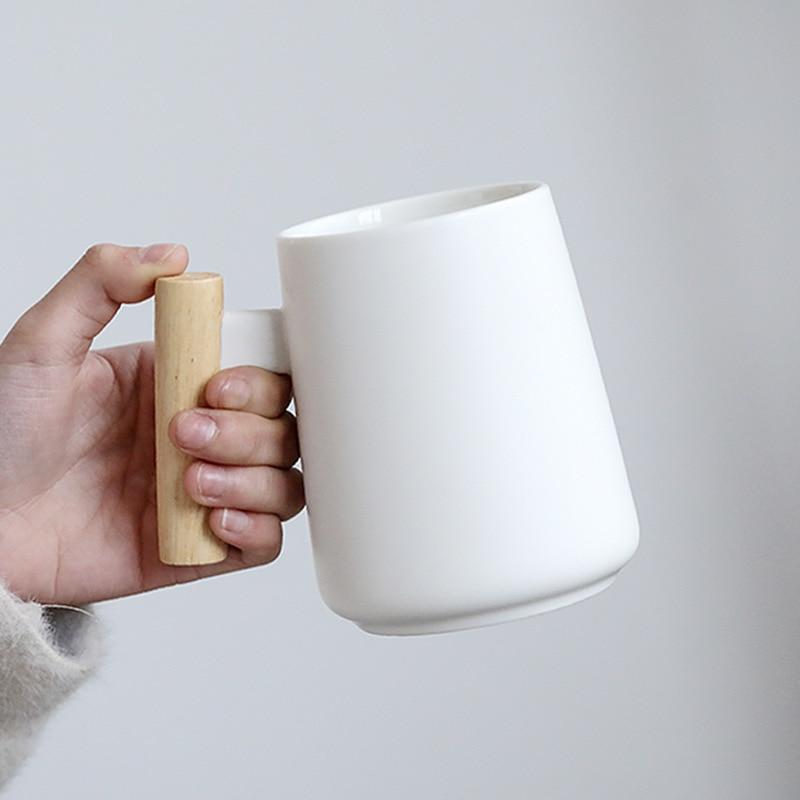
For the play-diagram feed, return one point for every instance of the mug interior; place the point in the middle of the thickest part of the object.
(408, 209)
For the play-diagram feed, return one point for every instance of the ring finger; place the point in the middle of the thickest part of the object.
(262, 489)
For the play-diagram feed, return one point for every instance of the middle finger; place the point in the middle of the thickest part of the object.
(236, 437)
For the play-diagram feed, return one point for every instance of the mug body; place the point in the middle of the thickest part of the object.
(461, 461)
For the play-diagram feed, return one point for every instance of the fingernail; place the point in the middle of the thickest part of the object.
(154, 253)
(194, 430)
(234, 521)
(235, 392)
(211, 481)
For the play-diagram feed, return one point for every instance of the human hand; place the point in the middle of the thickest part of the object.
(77, 455)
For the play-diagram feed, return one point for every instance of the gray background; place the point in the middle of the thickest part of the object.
(668, 132)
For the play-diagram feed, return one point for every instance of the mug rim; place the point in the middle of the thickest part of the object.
(371, 217)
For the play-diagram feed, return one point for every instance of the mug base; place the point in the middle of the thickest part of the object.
(495, 616)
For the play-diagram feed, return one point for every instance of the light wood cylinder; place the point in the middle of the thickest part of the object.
(188, 320)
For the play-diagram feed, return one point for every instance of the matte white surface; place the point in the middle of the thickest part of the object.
(668, 132)
(435, 499)
(256, 337)
(490, 616)
(389, 309)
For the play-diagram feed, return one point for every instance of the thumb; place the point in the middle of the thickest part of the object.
(61, 326)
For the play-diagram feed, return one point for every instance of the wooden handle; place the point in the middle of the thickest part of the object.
(187, 343)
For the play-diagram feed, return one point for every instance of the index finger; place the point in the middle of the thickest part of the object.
(250, 389)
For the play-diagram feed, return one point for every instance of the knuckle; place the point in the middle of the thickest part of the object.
(283, 491)
(276, 549)
(267, 544)
(95, 255)
(279, 391)
(274, 443)
(266, 555)
(275, 536)
(294, 497)
(262, 446)
(272, 532)
(286, 390)
(274, 487)
(287, 437)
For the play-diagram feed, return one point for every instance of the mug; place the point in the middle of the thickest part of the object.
(461, 463)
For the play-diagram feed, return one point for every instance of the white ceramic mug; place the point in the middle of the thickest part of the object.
(461, 462)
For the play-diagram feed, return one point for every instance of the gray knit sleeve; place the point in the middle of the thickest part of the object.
(46, 652)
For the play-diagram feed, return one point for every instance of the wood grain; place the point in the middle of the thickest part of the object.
(188, 318)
